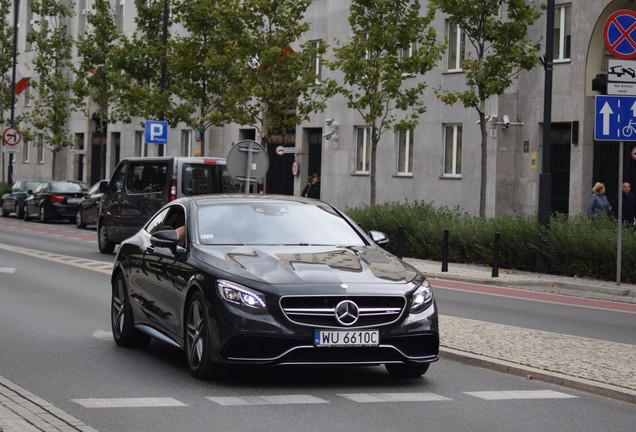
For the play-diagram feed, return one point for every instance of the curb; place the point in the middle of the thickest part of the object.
(600, 389)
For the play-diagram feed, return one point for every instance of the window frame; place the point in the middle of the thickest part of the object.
(363, 162)
(455, 170)
(562, 34)
(458, 48)
(404, 137)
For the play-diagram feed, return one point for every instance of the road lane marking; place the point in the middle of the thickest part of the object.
(150, 402)
(7, 270)
(103, 334)
(83, 263)
(266, 400)
(517, 395)
(393, 397)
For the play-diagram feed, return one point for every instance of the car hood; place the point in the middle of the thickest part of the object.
(283, 265)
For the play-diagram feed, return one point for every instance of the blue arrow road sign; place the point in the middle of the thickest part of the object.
(615, 118)
(156, 132)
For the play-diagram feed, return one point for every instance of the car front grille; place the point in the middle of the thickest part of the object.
(321, 311)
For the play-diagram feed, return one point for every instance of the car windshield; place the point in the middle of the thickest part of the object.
(285, 223)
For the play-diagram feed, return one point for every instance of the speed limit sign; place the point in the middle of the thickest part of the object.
(11, 136)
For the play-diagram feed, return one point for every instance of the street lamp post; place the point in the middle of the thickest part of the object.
(545, 179)
(14, 55)
(164, 67)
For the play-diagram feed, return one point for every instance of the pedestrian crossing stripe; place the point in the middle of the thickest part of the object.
(393, 397)
(129, 402)
(524, 394)
(267, 400)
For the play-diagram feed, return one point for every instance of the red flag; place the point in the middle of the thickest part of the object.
(21, 85)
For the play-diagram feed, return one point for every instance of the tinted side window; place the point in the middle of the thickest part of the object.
(117, 181)
(146, 177)
(157, 222)
(201, 179)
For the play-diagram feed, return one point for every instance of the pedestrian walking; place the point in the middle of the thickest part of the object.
(312, 188)
(598, 205)
(629, 204)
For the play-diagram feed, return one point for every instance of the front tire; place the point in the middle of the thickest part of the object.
(79, 221)
(43, 217)
(403, 370)
(197, 338)
(103, 242)
(19, 211)
(26, 213)
(121, 317)
(5, 212)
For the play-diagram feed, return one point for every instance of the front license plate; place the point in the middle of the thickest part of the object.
(348, 338)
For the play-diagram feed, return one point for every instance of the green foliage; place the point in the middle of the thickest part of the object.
(6, 55)
(574, 246)
(391, 43)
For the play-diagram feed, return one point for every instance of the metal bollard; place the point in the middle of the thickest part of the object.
(495, 259)
(445, 252)
(400, 245)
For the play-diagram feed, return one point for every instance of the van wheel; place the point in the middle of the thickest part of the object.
(103, 242)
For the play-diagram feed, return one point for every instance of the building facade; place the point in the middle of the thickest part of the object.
(438, 161)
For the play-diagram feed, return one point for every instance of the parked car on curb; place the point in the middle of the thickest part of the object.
(87, 209)
(271, 280)
(54, 199)
(13, 201)
(140, 186)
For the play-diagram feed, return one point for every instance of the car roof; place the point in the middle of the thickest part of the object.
(203, 200)
(191, 159)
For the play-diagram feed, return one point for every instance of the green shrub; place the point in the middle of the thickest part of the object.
(574, 246)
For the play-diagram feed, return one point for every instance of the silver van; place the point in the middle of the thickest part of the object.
(140, 186)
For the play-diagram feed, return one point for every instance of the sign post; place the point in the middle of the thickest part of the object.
(615, 120)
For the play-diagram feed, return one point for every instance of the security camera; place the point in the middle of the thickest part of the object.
(506, 120)
(329, 121)
(328, 135)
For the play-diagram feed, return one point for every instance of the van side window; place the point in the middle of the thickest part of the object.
(146, 177)
(117, 182)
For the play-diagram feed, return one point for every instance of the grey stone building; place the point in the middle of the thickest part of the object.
(439, 161)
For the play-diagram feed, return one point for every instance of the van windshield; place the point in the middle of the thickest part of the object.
(203, 179)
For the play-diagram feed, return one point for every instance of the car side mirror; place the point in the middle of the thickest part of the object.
(165, 238)
(379, 238)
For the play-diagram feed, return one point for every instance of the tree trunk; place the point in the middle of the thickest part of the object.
(374, 147)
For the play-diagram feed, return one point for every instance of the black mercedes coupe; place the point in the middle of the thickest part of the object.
(271, 280)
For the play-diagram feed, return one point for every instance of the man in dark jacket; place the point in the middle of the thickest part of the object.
(629, 204)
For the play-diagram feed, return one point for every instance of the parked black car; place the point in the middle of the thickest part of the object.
(13, 201)
(271, 280)
(54, 199)
(87, 209)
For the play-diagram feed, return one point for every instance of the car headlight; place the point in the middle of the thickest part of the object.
(240, 295)
(422, 297)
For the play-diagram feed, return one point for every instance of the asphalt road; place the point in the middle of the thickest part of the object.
(56, 343)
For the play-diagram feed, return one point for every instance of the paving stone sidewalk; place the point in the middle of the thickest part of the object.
(601, 367)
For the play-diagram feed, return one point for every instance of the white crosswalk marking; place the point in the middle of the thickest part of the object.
(128, 402)
(527, 394)
(393, 397)
(7, 270)
(103, 335)
(266, 400)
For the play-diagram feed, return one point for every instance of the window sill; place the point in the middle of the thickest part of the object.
(360, 173)
(403, 175)
(450, 177)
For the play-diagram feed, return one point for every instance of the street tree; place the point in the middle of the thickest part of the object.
(277, 86)
(52, 45)
(393, 45)
(204, 79)
(140, 85)
(499, 47)
(6, 56)
(95, 75)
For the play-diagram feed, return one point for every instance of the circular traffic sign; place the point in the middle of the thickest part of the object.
(633, 152)
(247, 161)
(11, 136)
(280, 150)
(620, 34)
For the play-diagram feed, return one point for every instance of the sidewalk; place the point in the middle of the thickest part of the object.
(596, 366)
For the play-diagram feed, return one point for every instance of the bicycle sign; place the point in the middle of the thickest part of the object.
(615, 118)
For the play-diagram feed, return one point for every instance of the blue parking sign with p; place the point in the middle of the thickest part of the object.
(156, 132)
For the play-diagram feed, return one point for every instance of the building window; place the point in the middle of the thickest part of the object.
(25, 152)
(363, 150)
(40, 146)
(452, 150)
(81, 17)
(30, 22)
(186, 143)
(405, 152)
(562, 33)
(316, 60)
(456, 47)
(119, 15)
(27, 96)
(141, 147)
